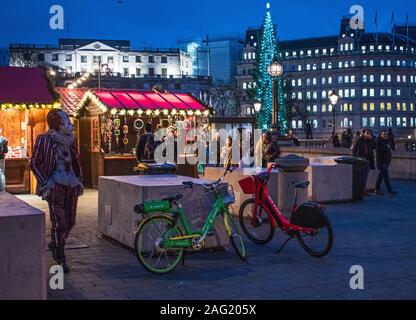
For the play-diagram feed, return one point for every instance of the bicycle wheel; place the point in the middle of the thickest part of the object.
(149, 247)
(319, 242)
(258, 229)
(235, 236)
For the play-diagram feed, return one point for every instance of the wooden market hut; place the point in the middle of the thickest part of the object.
(26, 96)
(109, 121)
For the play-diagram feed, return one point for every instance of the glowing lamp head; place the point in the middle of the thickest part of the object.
(333, 97)
(275, 69)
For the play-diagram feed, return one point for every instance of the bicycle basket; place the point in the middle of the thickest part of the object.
(226, 192)
(230, 197)
(248, 185)
(309, 215)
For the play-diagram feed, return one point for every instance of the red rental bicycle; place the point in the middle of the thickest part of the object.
(259, 217)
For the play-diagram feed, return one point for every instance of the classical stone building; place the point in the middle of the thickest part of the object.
(115, 57)
(373, 73)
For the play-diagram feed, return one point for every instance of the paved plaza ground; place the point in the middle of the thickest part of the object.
(379, 234)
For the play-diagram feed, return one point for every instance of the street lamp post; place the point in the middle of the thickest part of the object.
(100, 66)
(275, 70)
(333, 97)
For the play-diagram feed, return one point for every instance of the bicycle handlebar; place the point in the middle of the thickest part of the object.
(190, 184)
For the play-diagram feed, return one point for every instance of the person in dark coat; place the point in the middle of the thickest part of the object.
(145, 145)
(391, 140)
(383, 152)
(364, 148)
(347, 137)
(270, 149)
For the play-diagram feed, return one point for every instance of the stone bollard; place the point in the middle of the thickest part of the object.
(292, 168)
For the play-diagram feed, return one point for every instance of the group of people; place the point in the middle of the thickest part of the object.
(378, 153)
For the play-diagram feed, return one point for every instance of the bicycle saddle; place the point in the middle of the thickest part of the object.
(301, 185)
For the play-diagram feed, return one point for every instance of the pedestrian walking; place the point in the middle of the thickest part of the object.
(383, 156)
(364, 148)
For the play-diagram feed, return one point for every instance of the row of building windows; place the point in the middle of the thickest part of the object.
(346, 93)
(366, 106)
(352, 64)
(99, 59)
(352, 79)
(366, 122)
(249, 55)
(345, 47)
(249, 85)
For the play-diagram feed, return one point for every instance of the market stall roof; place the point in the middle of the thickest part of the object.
(149, 101)
(24, 86)
(70, 98)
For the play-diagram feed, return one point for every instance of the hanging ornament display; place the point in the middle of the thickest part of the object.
(125, 132)
(138, 125)
(117, 124)
(109, 133)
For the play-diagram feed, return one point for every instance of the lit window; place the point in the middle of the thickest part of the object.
(352, 79)
(323, 108)
(365, 92)
(389, 92)
(404, 122)
(352, 93)
(381, 63)
(346, 93)
(308, 67)
(299, 67)
(382, 122)
(299, 95)
(371, 78)
(372, 122)
(314, 81)
(372, 106)
(372, 92)
(323, 66)
(404, 106)
(382, 106)
(364, 78)
(315, 123)
(388, 63)
(315, 95)
(330, 80)
(371, 63)
(364, 63)
(365, 106)
(299, 82)
(388, 78)
(398, 106)
(315, 108)
(324, 94)
(345, 107)
(389, 121)
(340, 64)
(244, 85)
(364, 121)
(347, 79)
(398, 78)
(389, 106)
(382, 78)
(382, 92)
(293, 124)
(300, 124)
(330, 65)
(293, 82)
(398, 92)
(398, 121)
(323, 81)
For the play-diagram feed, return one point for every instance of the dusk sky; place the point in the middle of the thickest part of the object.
(159, 23)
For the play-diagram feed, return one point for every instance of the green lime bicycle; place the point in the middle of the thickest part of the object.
(165, 233)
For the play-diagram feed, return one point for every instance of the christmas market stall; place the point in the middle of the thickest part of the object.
(109, 122)
(26, 96)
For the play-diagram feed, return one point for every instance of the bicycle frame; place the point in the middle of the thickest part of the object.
(186, 240)
(263, 199)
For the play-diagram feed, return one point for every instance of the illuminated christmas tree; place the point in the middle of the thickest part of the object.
(268, 50)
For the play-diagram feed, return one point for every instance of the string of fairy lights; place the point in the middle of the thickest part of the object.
(79, 81)
(90, 96)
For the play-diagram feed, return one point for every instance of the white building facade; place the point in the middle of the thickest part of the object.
(114, 57)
